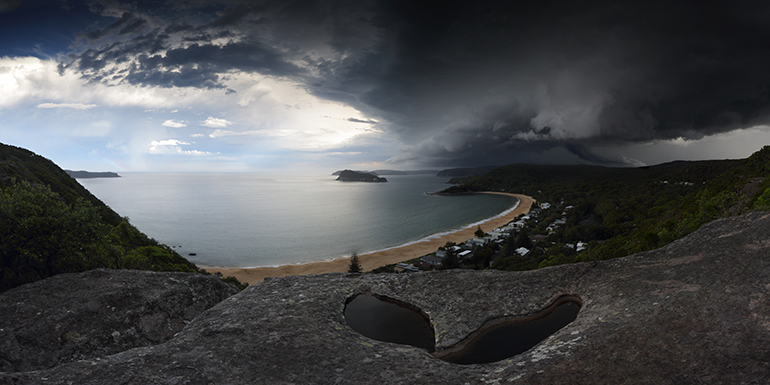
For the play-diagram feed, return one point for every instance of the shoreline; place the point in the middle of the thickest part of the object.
(373, 260)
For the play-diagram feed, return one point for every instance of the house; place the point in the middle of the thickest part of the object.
(579, 247)
(405, 268)
(477, 241)
(522, 251)
(518, 224)
(465, 254)
(441, 253)
(432, 260)
(545, 205)
(538, 238)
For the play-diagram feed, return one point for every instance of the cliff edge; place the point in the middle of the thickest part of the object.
(694, 311)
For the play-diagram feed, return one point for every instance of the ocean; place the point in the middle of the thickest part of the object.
(249, 220)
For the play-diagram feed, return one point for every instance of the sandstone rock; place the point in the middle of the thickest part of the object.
(70, 317)
(695, 311)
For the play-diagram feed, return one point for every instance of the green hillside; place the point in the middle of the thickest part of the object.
(25, 165)
(620, 211)
(50, 224)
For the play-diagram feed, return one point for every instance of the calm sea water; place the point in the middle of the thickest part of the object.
(231, 219)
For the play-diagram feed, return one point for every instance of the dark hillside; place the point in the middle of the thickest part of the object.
(50, 224)
(620, 211)
(25, 165)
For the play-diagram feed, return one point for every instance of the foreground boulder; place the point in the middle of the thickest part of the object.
(71, 317)
(695, 311)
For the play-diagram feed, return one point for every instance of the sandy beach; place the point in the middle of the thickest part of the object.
(376, 259)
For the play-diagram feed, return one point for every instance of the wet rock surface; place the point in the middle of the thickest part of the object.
(695, 311)
(70, 317)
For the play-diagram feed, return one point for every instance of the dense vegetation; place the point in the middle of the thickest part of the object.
(24, 165)
(620, 211)
(50, 224)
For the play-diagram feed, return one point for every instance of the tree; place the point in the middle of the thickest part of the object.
(450, 261)
(479, 232)
(355, 264)
(41, 235)
(156, 258)
(523, 240)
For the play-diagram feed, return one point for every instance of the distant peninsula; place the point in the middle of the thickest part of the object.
(353, 176)
(87, 174)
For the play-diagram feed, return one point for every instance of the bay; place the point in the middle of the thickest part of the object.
(249, 220)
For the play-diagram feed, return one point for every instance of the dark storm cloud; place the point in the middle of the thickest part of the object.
(598, 73)
(200, 65)
(9, 5)
(369, 121)
(126, 24)
(179, 55)
(234, 15)
(472, 83)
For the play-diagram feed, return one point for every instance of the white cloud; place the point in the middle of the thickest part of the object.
(342, 153)
(119, 126)
(171, 146)
(174, 124)
(216, 122)
(77, 106)
(168, 142)
(222, 133)
(192, 152)
(25, 79)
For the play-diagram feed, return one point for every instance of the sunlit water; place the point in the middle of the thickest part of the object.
(231, 219)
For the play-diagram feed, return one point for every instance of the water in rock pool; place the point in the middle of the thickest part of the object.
(507, 339)
(389, 321)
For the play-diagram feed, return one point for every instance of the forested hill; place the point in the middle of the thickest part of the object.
(50, 224)
(620, 211)
(24, 165)
(524, 177)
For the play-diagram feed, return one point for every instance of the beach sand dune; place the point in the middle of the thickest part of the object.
(376, 259)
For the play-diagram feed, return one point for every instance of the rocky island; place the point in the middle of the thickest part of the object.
(353, 176)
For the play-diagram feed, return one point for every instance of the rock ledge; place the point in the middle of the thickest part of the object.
(695, 311)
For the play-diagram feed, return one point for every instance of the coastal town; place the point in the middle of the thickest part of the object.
(537, 232)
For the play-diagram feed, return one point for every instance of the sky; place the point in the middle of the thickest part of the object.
(316, 86)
